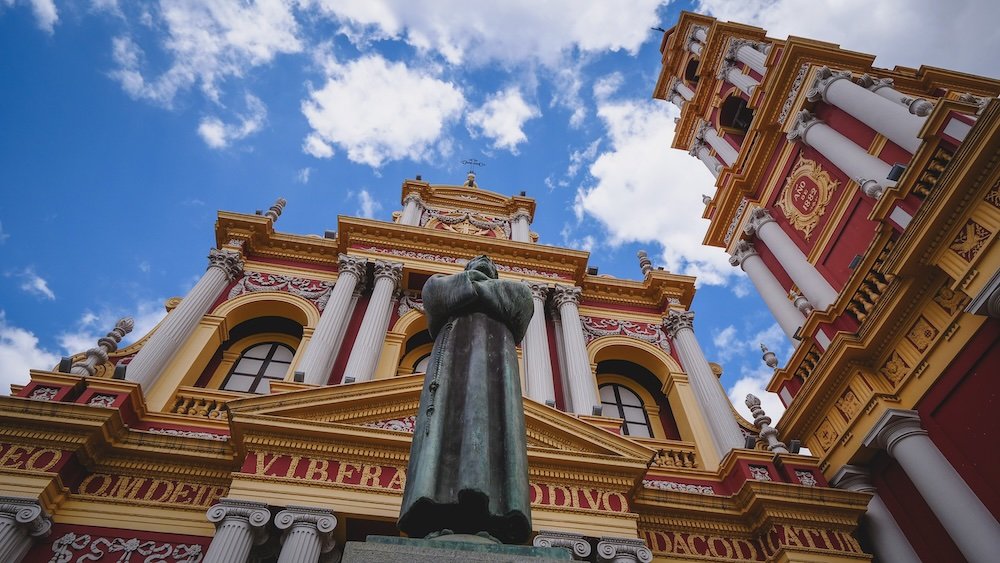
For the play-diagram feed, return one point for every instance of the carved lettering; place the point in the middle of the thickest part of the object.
(317, 470)
(149, 489)
(370, 475)
(29, 458)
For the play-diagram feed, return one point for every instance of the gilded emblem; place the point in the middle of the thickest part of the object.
(806, 194)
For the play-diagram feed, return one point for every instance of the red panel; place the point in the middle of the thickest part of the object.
(894, 154)
(772, 264)
(846, 125)
(850, 238)
(959, 413)
(348, 343)
(550, 333)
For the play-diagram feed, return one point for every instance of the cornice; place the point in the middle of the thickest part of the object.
(466, 197)
(659, 290)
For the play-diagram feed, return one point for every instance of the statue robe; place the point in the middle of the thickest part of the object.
(468, 469)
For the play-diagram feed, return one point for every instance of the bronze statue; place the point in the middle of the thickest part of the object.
(468, 471)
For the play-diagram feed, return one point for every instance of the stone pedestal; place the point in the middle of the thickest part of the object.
(388, 549)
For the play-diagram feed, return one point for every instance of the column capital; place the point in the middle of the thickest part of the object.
(253, 513)
(743, 250)
(696, 146)
(521, 213)
(702, 129)
(874, 83)
(351, 265)
(853, 478)
(413, 196)
(321, 520)
(758, 218)
(803, 121)
(696, 30)
(893, 426)
(824, 78)
(576, 543)
(538, 290)
(563, 294)
(917, 106)
(27, 514)
(677, 320)
(725, 66)
(623, 549)
(388, 270)
(226, 260)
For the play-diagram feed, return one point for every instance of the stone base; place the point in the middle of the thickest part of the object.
(389, 549)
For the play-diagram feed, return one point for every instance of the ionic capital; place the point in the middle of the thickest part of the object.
(743, 250)
(873, 83)
(226, 260)
(696, 146)
(675, 321)
(758, 218)
(351, 265)
(318, 520)
(620, 550)
(255, 514)
(388, 270)
(564, 294)
(27, 514)
(573, 542)
(871, 188)
(824, 78)
(724, 67)
(853, 478)
(803, 121)
(892, 427)
(702, 130)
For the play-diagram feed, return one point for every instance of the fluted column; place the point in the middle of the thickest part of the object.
(575, 543)
(708, 391)
(519, 229)
(889, 541)
(22, 521)
(701, 150)
(319, 356)
(890, 119)
(560, 352)
(174, 330)
(623, 550)
(969, 523)
(789, 318)
(868, 171)
(729, 72)
(695, 47)
(726, 152)
(680, 88)
(815, 287)
(744, 51)
(307, 533)
(700, 33)
(371, 334)
(413, 206)
(883, 87)
(239, 525)
(582, 387)
(537, 362)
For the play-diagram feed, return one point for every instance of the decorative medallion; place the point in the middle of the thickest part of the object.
(895, 368)
(826, 434)
(405, 424)
(806, 194)
(921, 334)
(993, 196)
(44, 393)
(806, 478)
(950, 300)
(760, 473)
(595, 327)
(102, 400)
(970, 240)
(849, 404)
(315, 291)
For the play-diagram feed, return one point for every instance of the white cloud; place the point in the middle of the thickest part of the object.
(46, 14)
(302, 176)
(502, 119)
(3, 236)
(379, 111)
(32, 283)
(646, 192)
(369, 205)
(219, 135)
(732, 343)
(957, 35)
(567, 83)
(605, 86)
(19, 352)
(510, 31)
(208, 41)
(91, 326)
(144, 266)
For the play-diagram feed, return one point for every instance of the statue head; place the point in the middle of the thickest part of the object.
(483, 264)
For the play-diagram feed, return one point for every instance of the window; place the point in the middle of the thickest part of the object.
(257, 366)
(621, 402)
(421, 366)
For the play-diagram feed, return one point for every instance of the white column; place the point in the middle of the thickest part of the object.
(700, 33)
(729, 72)
(789, 318)
(701, 150)
(868, 171)
(743, 51)
(307, 533)
(695, 47)
(519, 229)
(969, 523)
(371, 334)
(557, 333)
(883, 87)
(537, 362)
(889, 540)
(817, 290)
(623, 550)
(174, 330)
(413, 206)
(708, 391)
(319, 356)
(22, 521)
(239, 525)
(890, 119)
(680, 88)
(726, 152)
(582, 387)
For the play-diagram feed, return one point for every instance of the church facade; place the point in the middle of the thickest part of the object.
(863, 204)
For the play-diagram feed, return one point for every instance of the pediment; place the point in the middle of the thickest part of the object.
(391, 406)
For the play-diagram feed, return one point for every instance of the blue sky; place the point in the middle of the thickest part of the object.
(124, 126)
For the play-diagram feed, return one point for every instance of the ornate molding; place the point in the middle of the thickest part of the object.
(892, 427)
(678, 487)
(806, 194)
(596, 327)
(409, 301)
(453, 260)
(226, 260)
(731, 230)
(793, 92)
(677, 320)
(564, 294)
(403, 424)
(95, 548)
(315, 291)
(459, 216)
(189, 434)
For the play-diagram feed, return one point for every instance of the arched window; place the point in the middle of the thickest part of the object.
(735, 116)
(691, 71)
(257, 366)
(621, 402)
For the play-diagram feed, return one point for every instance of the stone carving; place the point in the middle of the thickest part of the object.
(806, 478)
(793, 92)
(921, 334)
(803, 121)
(352, 265)
(452, 260)
(620, 550)
(743, 250)
(25, 513)
(970, 240)
(322, 521)
(824, 77)
(101, 400)
(679, 487)
(760, 473)
(849, 404)
(189, 434)
(677, 320)
(404, 424)
(226, 260)
(735, 220)
(768, 433)
(459, 216)
(596, 327)
(576, 543)
(806, 194)
(409, 301)
(43, 393)
(94, 548)
(109, 343)
(950, 300)
(389, 270)
(565, 294)
(315, 291)
(895, 368)
(826, 434)
(538, 290)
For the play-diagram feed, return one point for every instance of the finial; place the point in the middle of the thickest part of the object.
(471, 178)
(706, 199)
(645, 264)
(763, 422)
(105, 345)
(276, 209)
(769, 358)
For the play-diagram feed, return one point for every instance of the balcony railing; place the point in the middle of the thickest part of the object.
(203, 403)
(671, 453)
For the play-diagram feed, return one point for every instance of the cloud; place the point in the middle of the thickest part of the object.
(45, 12)
(502, 119)
(379, 111)
(731, 343)
(19, 352)
(91, 326)
(303, 174)
(955, 35)
(207, 42)
(144, 266)
(642, 191)
(512, 31)
(3, 236)
(32, 283)
(754, 381)
(219, 135)
(369, 205)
